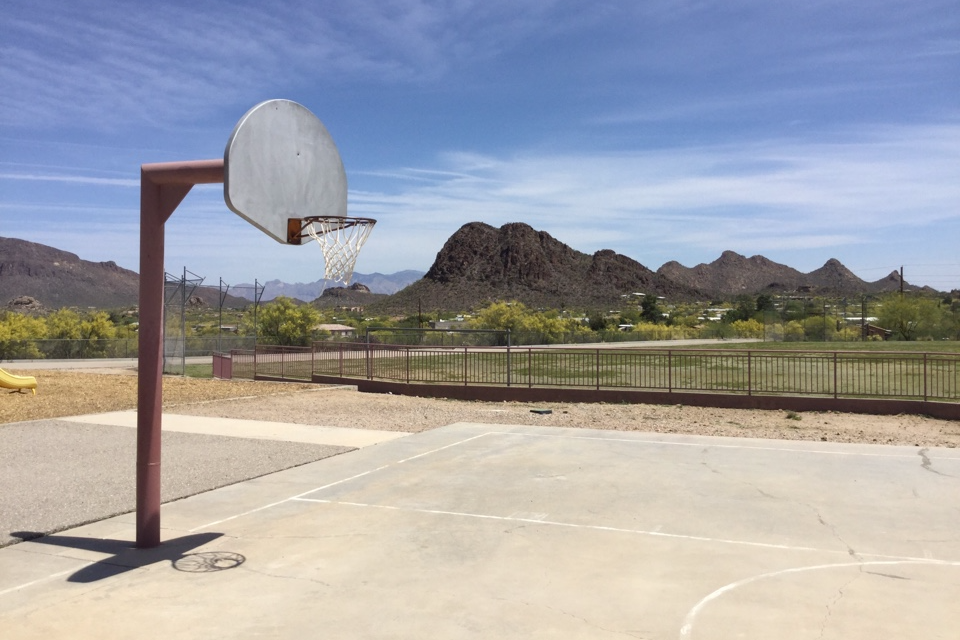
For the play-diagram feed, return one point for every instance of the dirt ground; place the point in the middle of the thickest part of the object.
(63, 393)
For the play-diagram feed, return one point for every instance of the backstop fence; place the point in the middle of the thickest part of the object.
(835, 374)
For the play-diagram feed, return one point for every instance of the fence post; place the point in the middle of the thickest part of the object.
(836, 388)
(464, 366)
(598, 368)
(669, 371)
(924, 377)
(529, 368)
(749, 373)
(407, 359)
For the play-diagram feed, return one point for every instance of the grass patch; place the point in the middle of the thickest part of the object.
(199, 371)
(928, 346)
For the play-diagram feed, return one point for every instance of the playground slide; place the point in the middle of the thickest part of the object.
(10, 381)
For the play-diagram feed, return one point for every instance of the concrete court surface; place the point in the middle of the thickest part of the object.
(487, 531)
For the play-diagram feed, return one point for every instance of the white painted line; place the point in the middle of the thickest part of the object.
(331, 484)
(691, 616)
(44, 579)
(713, 445)
(454, 444)
(279, 502)
(593, 527)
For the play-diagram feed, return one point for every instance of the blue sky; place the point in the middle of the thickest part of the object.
(662, 129)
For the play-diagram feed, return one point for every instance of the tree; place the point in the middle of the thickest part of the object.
(598, 321)
(64, 326)
(765, 303)
(96, 332)
(910, 317)
(745, 308)
(747, 328)
(18, 336)
(283, 322)
(515, 317)
(501, 316)
(793, 331)
(630, 316)
(650, 311)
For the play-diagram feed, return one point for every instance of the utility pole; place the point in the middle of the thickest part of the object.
(863, 318)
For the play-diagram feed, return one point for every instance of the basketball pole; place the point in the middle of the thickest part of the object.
(163, 186)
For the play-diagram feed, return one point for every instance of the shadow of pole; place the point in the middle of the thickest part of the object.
(125, 556)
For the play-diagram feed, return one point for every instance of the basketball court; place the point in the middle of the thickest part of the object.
(515, 532)
(486, 531)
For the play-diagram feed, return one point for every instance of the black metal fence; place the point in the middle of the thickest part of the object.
(837, 374)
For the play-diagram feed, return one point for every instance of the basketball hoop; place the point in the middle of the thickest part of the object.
(340, 239)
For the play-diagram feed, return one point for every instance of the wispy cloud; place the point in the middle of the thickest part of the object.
(92, 63)
(757, 197)
(75, 179)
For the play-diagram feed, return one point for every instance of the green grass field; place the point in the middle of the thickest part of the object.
(929, 346)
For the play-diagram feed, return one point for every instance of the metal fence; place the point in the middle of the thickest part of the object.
(51, 349)
(837, 374)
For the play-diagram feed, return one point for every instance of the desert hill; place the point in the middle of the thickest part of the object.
(59, 279)
(480, 263)
(733, 274)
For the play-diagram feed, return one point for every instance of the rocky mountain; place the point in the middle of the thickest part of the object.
(60, 279)
(376, 282)
(356, 295)
(733, 274)
(56, 279)
(480, 263)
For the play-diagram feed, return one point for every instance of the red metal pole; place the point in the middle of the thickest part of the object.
(162, 188)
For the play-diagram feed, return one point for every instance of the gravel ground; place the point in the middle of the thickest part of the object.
(348, 408)
(70, 393)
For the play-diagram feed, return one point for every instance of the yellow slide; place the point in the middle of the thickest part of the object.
(19, 383)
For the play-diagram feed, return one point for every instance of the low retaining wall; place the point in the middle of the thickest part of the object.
(874, 406)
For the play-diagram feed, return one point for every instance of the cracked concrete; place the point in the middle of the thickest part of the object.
(927, 465)
(834, 532)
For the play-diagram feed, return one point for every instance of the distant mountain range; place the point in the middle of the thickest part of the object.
(480, 263)
(732, 274)
(376, 282)
(477, 264)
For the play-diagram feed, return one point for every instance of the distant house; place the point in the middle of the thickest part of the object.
(450, 325)
(336, 330)
(870, 330)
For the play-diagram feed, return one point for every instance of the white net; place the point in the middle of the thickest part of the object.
(340, 240)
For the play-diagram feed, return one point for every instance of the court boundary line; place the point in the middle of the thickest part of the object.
(643, 532)
(906, 456)
(691, 616)
(334, 483)
(547, 435)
